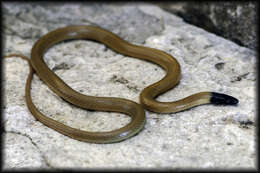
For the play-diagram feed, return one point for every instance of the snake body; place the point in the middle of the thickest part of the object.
(111, 104)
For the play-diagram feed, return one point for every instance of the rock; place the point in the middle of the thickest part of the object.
(206, 136)
(21, 152)
(233, 20)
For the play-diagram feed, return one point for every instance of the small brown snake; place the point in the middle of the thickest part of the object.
(111, 104)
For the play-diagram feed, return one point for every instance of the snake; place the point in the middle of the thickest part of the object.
(111, 104)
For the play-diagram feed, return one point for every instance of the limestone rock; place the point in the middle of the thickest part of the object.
(204, 137)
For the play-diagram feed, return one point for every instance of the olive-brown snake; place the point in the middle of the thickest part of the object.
(134, 110)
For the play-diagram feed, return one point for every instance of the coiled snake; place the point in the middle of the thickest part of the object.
(134, 110)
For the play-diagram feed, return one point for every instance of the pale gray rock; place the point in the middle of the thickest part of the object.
(204, 137)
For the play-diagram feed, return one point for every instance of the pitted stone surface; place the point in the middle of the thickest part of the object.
(204, 137)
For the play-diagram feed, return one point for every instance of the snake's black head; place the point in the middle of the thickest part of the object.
(223, 99)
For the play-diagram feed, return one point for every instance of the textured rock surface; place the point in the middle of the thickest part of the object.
(204, 137)
(236, 21)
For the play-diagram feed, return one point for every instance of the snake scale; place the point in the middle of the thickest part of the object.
(134, 110)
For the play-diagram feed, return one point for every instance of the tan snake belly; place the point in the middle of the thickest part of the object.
(134, 110)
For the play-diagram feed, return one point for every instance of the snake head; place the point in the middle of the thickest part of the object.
(222, 99)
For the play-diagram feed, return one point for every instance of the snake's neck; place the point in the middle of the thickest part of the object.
(186, 103)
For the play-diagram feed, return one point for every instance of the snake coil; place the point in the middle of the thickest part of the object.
(134, 110)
